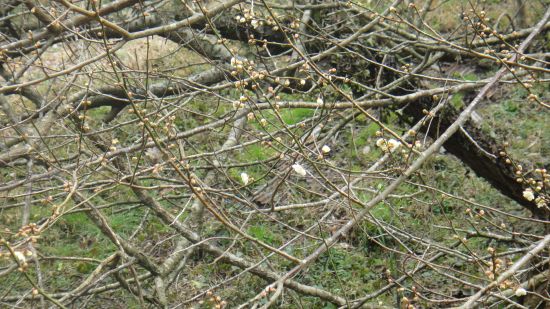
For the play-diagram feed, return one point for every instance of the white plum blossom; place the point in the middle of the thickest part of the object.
(20, 256)
(299, 169)
(320, 100)
(325, 149)
(238, 105)
(255, 23)
(388, 145)
(528, 194)
(540, 202)
(393, 144)
(520, 292)
(245, 179)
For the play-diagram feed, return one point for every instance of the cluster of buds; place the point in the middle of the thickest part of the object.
(249, 17)
(169, 126)
(496, 266)
(532, 97)
(216, 301)
(295, 24)
(157, 168)
(47, 200)
(506, 284)
(20, 256)
(67, 186)
(241, 84)
(535, 189)
(29, 229)
(263, 122)
(484, 30)
(141, 112)
(406, 303)
(3, 55)
(406, 68)
(195, 184)
(388, 145)
(490, 273)
(104, 161)
(480, 27)
(266, 292)
(480, 213)
(114, 142)
(305, 67)
(541, 201)
(505, 156)
(283, 82)
(428, 113)
(240, 103)
(482, 17)
(271, 22)
(415, 293)
(252, 40)
(240, 65)
(258, 75)
(267, 143)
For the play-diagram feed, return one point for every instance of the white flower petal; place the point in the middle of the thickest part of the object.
(393, 144)
(20, 256)
(325, 149)
(540, 202)
(520, 292)
(382, 144)
(299, 169)
(528, 194)
(245, 179)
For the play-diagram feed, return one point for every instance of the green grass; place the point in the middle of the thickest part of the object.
(264, 234)
(457, 101)
(295, 115)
